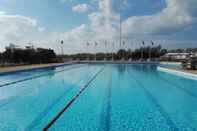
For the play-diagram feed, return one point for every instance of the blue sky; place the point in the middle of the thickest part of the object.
(53, 14)
(172, 23)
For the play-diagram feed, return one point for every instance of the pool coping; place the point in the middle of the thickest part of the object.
(36, 68)
(178, 73)
(119, 62)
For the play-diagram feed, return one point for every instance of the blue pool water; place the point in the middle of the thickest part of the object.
(121, 98)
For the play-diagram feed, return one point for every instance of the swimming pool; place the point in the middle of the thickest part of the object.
(120, 97)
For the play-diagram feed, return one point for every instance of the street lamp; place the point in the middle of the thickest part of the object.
(88, 44)
(113, 51)
(105, 50)
(124, 55)
(142, 53)
(131, 52)
(95, 47)
(62, 51)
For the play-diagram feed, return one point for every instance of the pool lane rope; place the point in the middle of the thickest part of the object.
(38, 76)
(67, 105)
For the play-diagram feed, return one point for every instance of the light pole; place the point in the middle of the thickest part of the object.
(105, 50)
(88, 58)
(131, 52)
(112, 51)
(120, 29)
(62, 51)
(124, 55)
(95, 47)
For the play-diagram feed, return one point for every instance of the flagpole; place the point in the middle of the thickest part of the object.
(120, 29)
(142, 53)
(131, 52)
(112, 51)
(95, 52)
(152, 43)
(105, 50)
(123, 43)
(150, 52)
(88, 58)
(62, 51)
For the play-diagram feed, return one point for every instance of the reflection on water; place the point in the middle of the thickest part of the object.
(138, 68)
(144, 68)
(121, 68)
(52, 71)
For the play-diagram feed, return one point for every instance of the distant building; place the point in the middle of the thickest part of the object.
(194, 55)
(30, 46)
(17, 47)
(176, 56)
(12, 47)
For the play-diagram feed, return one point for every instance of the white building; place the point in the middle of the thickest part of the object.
(13, 46)
(176, 56)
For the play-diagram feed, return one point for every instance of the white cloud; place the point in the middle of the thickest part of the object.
(81, 8)
(18, 29)
(103, 25)
(41, 29)
(2, 13)
(177, 15)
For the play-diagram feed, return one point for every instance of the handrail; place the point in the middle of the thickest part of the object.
(70, 102)
(37, 76)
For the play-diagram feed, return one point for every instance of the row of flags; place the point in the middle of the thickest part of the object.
(123, 43)
(152, 43)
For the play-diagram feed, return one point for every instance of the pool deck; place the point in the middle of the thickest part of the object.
(31, 67)
(178, 72)
(187, 71)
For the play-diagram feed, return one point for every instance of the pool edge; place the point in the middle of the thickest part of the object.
(36, 68)
(178, 73)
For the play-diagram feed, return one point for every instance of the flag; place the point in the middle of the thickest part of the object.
(143, 43)
(62, 42)
(105, 43)
(88, 43)
(123, 43)
(96, 43)
(152, 43)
